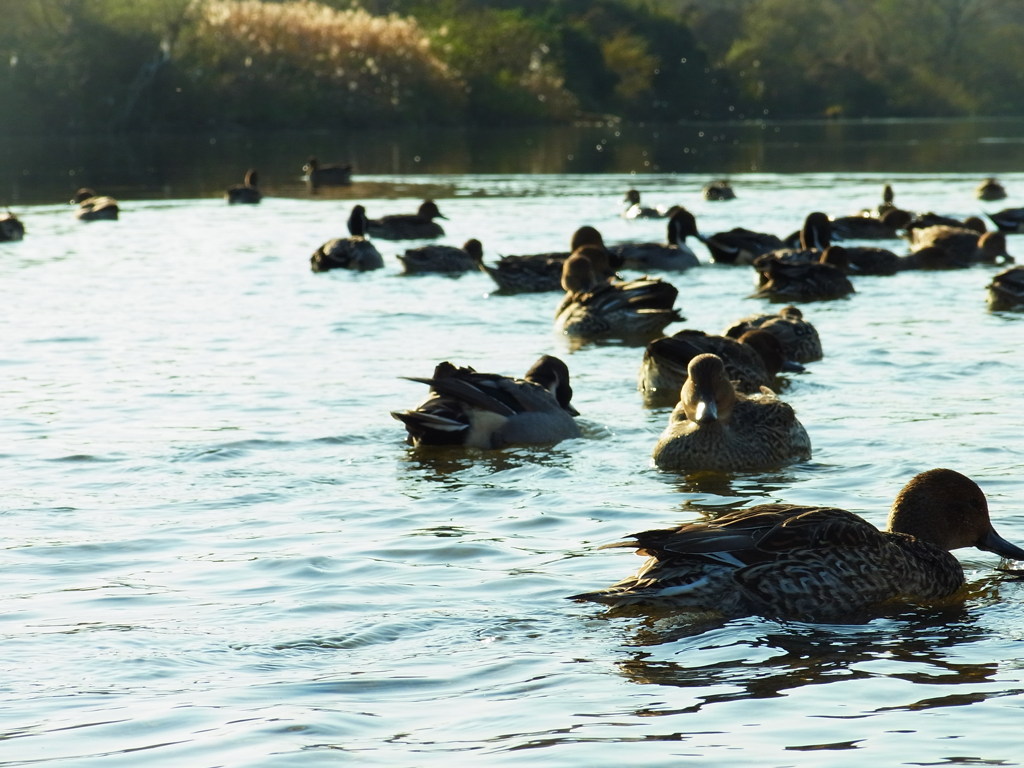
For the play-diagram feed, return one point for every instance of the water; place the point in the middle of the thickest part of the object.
(220, 552)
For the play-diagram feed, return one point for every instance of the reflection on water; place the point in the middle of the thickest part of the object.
(755, 659)
(47, 170)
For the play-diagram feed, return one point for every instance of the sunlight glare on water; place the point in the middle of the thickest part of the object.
(220, 551)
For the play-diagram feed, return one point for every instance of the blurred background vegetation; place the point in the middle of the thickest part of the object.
(81, 66)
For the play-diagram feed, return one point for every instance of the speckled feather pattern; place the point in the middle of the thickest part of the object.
(637, 308)
(663, 367)
(799, 338)
(785, 560)
(762, 432)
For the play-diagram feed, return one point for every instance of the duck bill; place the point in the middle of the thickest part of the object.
(792, 366)
(993, 542)
(706, 411)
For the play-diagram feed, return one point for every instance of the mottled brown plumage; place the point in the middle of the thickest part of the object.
(715, 428)
(538, 272)
(596, 308)
(751, 362)
(1006, 291)
(799, 338)
(814, 562)
(444, 259)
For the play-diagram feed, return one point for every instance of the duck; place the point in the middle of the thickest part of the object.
(1009, 220)
(445, 259)
(929, 219)
(673, 255)
(246, 193)
(317, 175)
(740, 245)
(719, 189)
(1006, 291)
(887, 226)
(636, 211)
(93, 207)
(11, 228)
(815, 234)
(888, 201)
(799, 338)
(932, 257)
(965, 245)
(715, 428)
(597, 307)
(814, 563)
(410, 226)
(865, 260)
(539, 272)
(491, 411)
(354, 252)
(751, 362)
(792, 277)
(990, 189)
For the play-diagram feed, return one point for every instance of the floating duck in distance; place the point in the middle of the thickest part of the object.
(634, 210)
(409, 226)
(334, 175)
(11, 228)
(354, 252)
(990, 189)
(672, 255)
(718, 190)
(246, 193)
(443, 259)
(93, 207)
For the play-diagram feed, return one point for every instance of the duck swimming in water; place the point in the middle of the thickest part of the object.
(1006, 291)
(443, 259)
(752, 361)
(539, 272)
(317, 175)
(246, 193)
(990, 189)
(674, 254)
(799, 338)
(719, 189)
(11, 228)
(597, 307)
(715, 428)
(409, 226)
(818, 563)
(636, 211)
(487, 410)
(354, 252)
(93, 207)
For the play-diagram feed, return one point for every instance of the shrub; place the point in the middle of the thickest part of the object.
(301, 63)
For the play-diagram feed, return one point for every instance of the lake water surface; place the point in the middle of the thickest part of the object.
(219, 550)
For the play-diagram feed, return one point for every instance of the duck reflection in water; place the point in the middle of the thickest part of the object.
(765, 658)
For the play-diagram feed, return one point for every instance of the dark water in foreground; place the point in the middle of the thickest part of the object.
(218, 550)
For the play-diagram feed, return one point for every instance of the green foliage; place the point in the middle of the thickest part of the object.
(71, 65)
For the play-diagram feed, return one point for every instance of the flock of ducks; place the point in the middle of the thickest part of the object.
(776, 559)
(772, 559)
